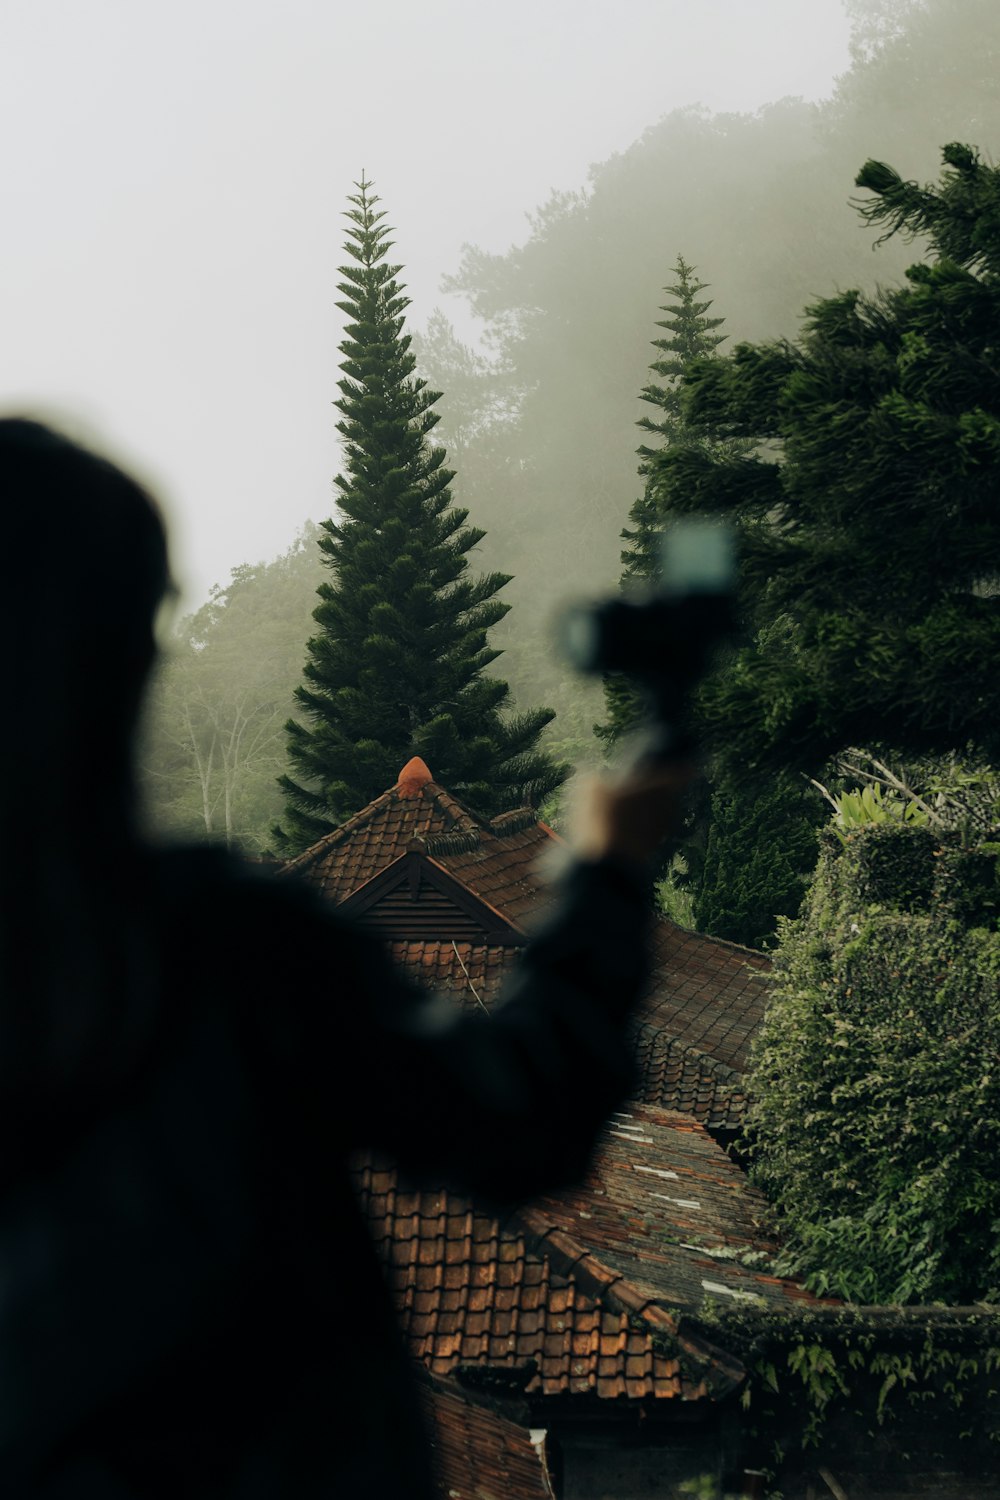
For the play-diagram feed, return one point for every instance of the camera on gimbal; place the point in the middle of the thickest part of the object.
(664, 640)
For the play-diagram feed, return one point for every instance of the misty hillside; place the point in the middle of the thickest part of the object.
(542, 431)
(540, 420)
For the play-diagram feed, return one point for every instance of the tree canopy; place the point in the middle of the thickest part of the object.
(213, 741)
(690, 335)
(871, 523)
(397, 666)
(758, 202)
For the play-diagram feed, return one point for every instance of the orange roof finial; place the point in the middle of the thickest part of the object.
(413, 777)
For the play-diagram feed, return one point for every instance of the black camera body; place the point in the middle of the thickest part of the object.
(664, 640)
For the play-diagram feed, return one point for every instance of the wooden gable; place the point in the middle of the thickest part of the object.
(416, 899)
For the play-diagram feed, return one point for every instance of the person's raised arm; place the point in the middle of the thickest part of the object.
(510, 1102)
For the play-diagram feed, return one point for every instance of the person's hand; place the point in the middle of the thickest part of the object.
(629, 815)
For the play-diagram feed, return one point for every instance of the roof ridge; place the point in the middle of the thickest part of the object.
(449, 800)
(464, 841)
(663, 920)
(336, 835)
(720, 1371)
(514, 820)
(469, 821)
(715, 1065)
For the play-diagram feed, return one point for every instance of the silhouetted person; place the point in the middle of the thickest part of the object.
(189, 1306)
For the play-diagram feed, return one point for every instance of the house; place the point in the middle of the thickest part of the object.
(596, 1342)
(600, 1341)
(456, 896)
(558, 1327)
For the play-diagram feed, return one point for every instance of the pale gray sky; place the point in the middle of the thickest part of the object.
(173, 178)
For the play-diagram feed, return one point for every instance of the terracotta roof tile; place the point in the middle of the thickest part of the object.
(669, 1072)
(488, 857)
(666, 1210)
(583, 1286)
(678, 1076)
(705, 994)
(504, 868)
(472, 1316)
(478, 1453)
(465, 970)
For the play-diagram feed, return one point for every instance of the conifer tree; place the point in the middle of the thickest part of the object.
(691, 335)
(746, 854)
(871, 574)
(397, 666)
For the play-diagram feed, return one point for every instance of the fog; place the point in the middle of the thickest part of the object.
(173, 230)
(544, 439)
(173, 181)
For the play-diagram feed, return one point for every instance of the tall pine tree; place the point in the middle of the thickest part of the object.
(733, 893)
(397, 667)
(690, 335)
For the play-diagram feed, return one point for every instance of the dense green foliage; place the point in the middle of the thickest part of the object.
(874, 1082)
(690, 336)
(213, 741)
(746, 852)
(760, 853)
(872, 526)
(396, 667)
(758, 202)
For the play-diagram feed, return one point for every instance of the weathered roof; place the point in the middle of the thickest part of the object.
(494, 859)
(668, 1072)
(677, 1076)
(471, 1294)
(578, 1292)
(478, 1453)
(419, 867)
(474, 973)
(503, 868)
(706, 993)
(665, 1208)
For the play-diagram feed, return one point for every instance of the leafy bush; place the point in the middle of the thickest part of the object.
(760, 854)
(869, 804)
(875, 1082)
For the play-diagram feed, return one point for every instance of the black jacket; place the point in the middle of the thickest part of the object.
(189, 1305)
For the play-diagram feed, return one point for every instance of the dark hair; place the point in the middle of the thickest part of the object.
(83, 569)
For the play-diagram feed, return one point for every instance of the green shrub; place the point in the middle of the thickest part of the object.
(875, 1081)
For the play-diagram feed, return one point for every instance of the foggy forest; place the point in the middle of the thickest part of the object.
(538, 418)
(787, 321)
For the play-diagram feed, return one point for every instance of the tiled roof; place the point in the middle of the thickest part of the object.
(676, 1076)
(471, 1296)
(466, 970)
(665, 1208)
(668, 1073)
(380, 833)
(494, 859)
(477, 1453)
(504, 868)
(706, 993)
(415, 898)
(578, 1293)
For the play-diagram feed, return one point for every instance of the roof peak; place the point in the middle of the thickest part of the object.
(413, 777)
